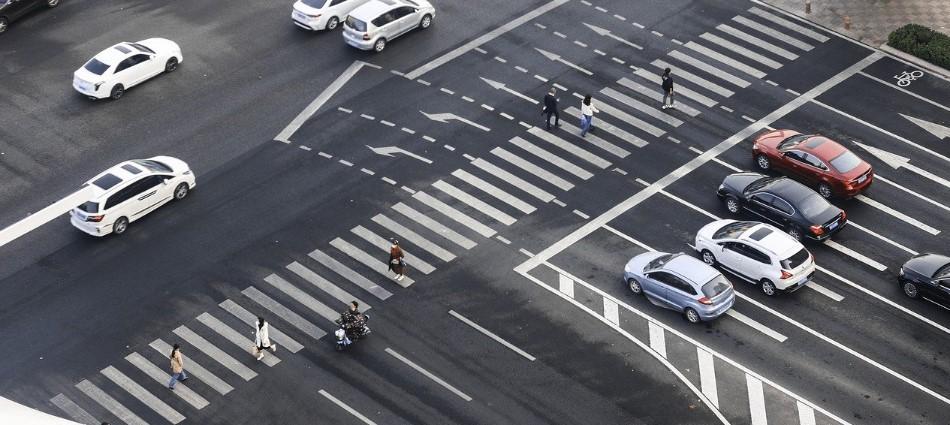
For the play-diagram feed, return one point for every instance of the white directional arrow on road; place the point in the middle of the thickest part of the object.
(557, 58)
(896, 161)
(606, 33)
(933, 128)
(448, 116)
(390, 150)
(501, 86)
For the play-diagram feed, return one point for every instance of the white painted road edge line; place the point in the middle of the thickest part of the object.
(45, 215)
(428, 374)
(324, 96)
(346, 407)
(491, 335)
(491, 35)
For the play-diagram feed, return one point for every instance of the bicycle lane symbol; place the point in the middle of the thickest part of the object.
(905, 78)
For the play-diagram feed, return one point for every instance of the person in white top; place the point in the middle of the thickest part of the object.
(587, 115)
(262, 339)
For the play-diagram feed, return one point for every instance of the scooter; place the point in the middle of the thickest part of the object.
(346, 337)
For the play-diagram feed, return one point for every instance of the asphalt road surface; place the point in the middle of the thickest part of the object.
(514, 310)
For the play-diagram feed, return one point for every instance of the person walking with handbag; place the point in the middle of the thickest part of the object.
(396, 263)
(667, 84)
(550, 108)
(178, 367)
(262, 339)
(587, 115)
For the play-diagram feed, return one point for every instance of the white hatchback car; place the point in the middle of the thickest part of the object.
(372, 25)
(129, 191)
(120, 67)
(756, 252)
(315, 15)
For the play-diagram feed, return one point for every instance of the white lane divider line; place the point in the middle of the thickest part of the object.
(323, 97)
(346, 407)
(657, 339)
(143, 395)
(911, 192)
(161, 376)
(854, 254)
(428, 374)
(109, 403)
(491, 335)
(897, 214)
(194, 369)
(756, 325)
(627, 237)
(566, 285)
(707, 375)
(824, 291)
(877, 235)
(73, 410)
(756, 400)
(806, 415)
(611, 311)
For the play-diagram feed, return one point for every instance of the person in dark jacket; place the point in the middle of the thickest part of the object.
(550, 108)
(667, 88)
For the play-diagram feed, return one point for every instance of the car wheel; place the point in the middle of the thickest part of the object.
(52, 3)
(795, 232)
(117, 92)
(171, 64)
(332, 23)
(3, 24)
(425, 22)
(379, 45)
(910, 289)
(824, 190)
(708, 257)
(768, 288)
(691, 315)
(120, 226)
(732, 204)
(763, 162)
(181, 191)
(634, 286)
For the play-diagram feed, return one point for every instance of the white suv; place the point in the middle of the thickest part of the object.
(756, 252)
(372, 25)
(129, 191)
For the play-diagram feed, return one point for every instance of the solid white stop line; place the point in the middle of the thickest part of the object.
(45, 215)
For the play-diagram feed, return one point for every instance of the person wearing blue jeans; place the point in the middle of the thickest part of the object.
(178, 367)
(587, 115)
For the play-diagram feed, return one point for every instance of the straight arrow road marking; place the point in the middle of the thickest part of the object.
(557, 58)
(390, 150)
(448, 116)
(941, 132)
(501, 86)
(606, 33)
(896, 161)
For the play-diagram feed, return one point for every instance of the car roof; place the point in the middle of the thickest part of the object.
(788, 189)
(826, 151)
(123, 171)
(116, 53)
(772, 240)
(690, 268)
(373, 8)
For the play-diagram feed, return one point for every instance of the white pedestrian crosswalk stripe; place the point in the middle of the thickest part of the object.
(367, 260)
(72, 409)
(325, 285)
(477, 204)
(606, 126)
(709, 69)
(532, 169)
(162, 377)
(413, 237)
(434, 226)
(657, 94)
(756, 400)
(695, 79)
(640, 106)
(569, 147)
(788, 24)
(109, 403)
(773, 33)
(143, 395)
(551, 158)
(385, 244)
(756, 41)
(707, 376)
(596, 140)
(494, 191)
(285, 341)
(657, 339)
(284, 313)
(215, 353)
(350, 274)
(454, 214)
(235, 337)
(806, 415)
(193, 368)
(705, 51)
(302, 297)
(679, 89)
(513, 180)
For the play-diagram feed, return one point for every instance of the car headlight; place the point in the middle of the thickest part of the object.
(901, 272)
(99, 84)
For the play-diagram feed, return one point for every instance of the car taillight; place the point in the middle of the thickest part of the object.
(844, 215)
(95, 218)
(313, 16)
(817, 230)
(786, 275)
(705, 300)
(366, 36)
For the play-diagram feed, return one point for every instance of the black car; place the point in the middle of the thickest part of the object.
(926, 275)
(11, 10)
(792, 206)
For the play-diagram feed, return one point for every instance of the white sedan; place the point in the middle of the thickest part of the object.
(120, 67)
(315, 15)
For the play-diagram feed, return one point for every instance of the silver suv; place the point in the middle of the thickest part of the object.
(681, 283)
(372, 25)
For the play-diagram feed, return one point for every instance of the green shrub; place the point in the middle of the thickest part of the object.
(922, 42)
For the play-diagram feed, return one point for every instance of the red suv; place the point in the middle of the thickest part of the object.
(815, 160)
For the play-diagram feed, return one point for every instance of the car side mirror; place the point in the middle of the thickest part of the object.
(165, 181)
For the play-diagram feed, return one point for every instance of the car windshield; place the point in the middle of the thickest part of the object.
(813, 206)
(760, 183)
(734, 229)
(316, 4)
(153, 165)
(796, 260)
(716, 286)
(107, 181)
(942, 272)
(355, 23)
(660, 261)
(142, 47)
(96, 67)
(792, 141)
(845, 162)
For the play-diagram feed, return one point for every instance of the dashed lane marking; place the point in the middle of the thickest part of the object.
(346, 407)
(492, 335)
(752, 323)
(428, 374)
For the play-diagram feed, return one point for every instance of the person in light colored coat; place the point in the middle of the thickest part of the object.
(178, 367)
(587, 115)
(262, 339)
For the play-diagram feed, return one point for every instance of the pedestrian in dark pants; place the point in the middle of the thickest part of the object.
(396, 263)
(587, 115)
(178, 367)
(550, 108)
(667, 88)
